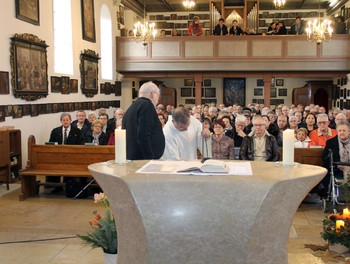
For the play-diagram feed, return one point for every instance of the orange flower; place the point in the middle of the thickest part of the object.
(95, 222)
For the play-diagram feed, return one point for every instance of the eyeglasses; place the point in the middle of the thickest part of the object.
(322, 123)
(105, 118)
(259, 125)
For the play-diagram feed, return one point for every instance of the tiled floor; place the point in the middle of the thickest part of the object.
(50, 216)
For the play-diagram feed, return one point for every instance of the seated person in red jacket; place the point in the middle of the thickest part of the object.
(323, 133)
(195, 29)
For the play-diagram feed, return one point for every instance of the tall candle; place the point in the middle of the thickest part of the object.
(338, 224)
(120, 146)
(346, 213)
(288, 147)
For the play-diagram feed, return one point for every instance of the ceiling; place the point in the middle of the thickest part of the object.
(203, 5)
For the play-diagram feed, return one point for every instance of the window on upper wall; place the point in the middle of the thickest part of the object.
(106, 44)
(62, 32)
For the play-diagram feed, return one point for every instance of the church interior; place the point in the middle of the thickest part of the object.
(50, 49)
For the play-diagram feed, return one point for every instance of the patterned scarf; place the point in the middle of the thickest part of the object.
(344, 149)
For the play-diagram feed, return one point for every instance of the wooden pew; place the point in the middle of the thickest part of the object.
(311, 156)
(59, 160)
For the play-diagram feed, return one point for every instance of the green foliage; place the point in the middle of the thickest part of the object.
(340, 236)
(104, 234)
(346, 191)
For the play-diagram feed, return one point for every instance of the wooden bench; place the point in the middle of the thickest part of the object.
(59, 160)
(311, 156)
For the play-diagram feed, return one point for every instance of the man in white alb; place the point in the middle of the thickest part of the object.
(183, 136)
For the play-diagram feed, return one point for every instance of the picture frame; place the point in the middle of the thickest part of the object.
(186, 92)
(2, 113)
(49, 109)
(34, 110)
(8, 110)
(89, 72)
(107, 88)
(341, 93)
(88, 20)
(210, 92)
(65, 82)
(279, 82)
(261, 101)
(272, 82)
(118, 17)
(282, 92)
(73, 86)
(55, 108)
(273, 92)
(260, 82)
(28, 11)
(26, 109)
(234, 91)
(207, 82)
(17, 111)
(121, 12)
(102, 88)
(188, 82)
(258, 91)
(341, 81)
(56, 86)
(118, 89)
(42, 109)
(190, 101)
(28, 54)
(72, 107)
(4, 82)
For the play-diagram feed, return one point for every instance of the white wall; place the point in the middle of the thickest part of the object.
(41, 126)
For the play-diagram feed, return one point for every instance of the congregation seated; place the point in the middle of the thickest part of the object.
(238, 130)
(66, 134)
(82, 123)
(282, 124)
(95, 135)
(309, 124)
(115, 122)
(301, 138)
(222, 146)
(92, 117)
(220, 29)
(259, 145)
(323, 133)
(104, 119)
(271, 127)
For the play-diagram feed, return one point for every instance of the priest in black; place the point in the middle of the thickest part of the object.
(144, 134)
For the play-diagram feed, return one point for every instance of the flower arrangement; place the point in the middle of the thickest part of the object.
(336, 229)
(104, 233)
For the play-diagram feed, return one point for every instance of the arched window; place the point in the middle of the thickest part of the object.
(106, 44)
(62, 32)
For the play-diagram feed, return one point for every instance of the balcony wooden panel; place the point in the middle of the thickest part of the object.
(224, 53)
(300, 48)
(336, 48)
(232, 48)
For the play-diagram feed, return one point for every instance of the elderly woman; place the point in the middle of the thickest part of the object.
(293, 123)
(96, 135)
(340, 147)
(222, 146)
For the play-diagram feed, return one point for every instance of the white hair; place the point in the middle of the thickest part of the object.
(293, 117)
(241, 118)
(322, 116)
(147, 88)
(212, 108)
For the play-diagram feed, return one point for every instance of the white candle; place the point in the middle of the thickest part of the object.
(288, 147)
(120, 146)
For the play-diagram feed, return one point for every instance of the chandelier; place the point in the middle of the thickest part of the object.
(144, 32)
(318, 31)
(279, 3)
(188, 4)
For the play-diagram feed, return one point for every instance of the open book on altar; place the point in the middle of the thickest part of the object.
(208, 168)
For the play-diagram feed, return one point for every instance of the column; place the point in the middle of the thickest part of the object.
(198, 78)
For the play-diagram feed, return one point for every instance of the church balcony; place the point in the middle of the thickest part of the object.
(233, 53)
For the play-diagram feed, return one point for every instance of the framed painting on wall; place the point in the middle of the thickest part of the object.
(26, 109)
(4, 82)
(73, 85)
(282, 92)
(210, 92)
(89, 72)
(121, 13)
(234, 91)
(28, 10)
(2, 113)
(88, 20)
(29, 67)
(258, 91)
(65, 84)
(279, 82)
(55, 84)
(186, 92)
(118, 89)
(273, 92)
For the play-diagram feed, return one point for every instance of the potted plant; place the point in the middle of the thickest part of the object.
(104, 234)
(336, 230)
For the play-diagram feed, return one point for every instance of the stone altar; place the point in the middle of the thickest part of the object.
(173, 219)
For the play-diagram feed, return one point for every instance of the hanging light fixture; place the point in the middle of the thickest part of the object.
(188, 4)
(279, 3)
(317, 31)
(144, 32)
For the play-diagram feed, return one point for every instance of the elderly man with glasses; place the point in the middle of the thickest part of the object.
(259, 145)
(320, 136)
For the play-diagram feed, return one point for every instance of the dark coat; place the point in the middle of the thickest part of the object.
(144, 133)
(86, 127)
(110, 126)
(102, 139)
(238, 32)
(74, 136)
(282, 31)
(217, 30)
(332, 144)
(247, 149)
(300, 31)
